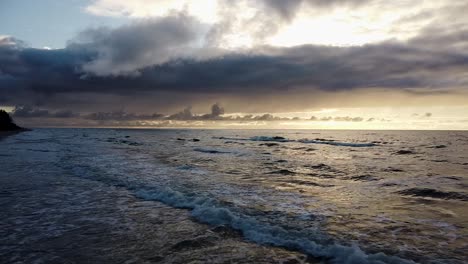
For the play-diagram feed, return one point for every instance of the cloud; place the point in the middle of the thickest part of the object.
(121, 116)
(340, 119)
(10, 41)
(216, 114)
(232, 23)
(382, 65)
(64, 114)
(210, 8)
(217, 110)
(288, 9)
(127, 118)
(145, 8)
(29, 116)
(171, 62)
(148, 42)
(348, 119)
(29, 112)
(186, 114)
(242, 24)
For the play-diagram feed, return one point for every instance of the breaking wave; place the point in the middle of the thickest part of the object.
(336, 143)
(209, 211)
(211, 151)
(213, 212)
(432, 193)
(304, 141)
(276, 139)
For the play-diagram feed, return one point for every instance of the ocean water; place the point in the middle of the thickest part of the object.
(219, 196)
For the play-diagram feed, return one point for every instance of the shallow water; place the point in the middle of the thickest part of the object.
(335, 196)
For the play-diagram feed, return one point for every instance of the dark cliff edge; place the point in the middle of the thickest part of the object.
(7, 126)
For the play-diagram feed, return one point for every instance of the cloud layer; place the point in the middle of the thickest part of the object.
(125, 50)
(123, 118)
(104, 67)
(178, 59)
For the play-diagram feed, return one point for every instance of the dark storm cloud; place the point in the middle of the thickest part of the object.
(385, 65)
(143, 43)
(154, 56)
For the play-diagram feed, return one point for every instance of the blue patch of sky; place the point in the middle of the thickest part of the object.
(49, 23)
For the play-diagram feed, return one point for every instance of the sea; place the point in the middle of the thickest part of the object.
(233, 196)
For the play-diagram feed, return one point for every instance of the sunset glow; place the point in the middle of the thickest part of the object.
(386, 62)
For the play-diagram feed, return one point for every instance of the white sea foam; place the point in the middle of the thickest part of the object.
(207, 211)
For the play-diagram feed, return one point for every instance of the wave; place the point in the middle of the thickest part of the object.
(213, 212)
(432, 193)
(265, 138)
(336, 143)
(123, 141)
(211, 151)
(208, 211)
(283, 172)
(304, 141)
(404, 152)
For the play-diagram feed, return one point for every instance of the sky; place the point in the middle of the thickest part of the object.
(339, 64)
